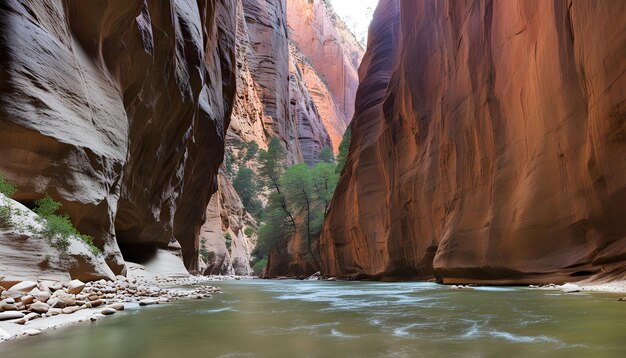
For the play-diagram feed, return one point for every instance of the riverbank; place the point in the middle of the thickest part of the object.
(587, 286)
(30, 308)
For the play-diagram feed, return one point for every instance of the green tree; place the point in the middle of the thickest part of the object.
(245, 186)
(344, 148)
(228, 162)
(251, 150)
(325, 180)
(275, 229)
(271, 168)
(46, 206)
(300, 194)
(326, 155)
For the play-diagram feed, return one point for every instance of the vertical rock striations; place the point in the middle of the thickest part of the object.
(488, 145)
(118, 110)
(333, 51)
(282, 92)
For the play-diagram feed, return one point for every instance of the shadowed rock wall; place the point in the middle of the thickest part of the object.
(118, 110)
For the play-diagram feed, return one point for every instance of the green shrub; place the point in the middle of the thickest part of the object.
(5, 216)
(89, 241)
(259, 266)
(251, 150)
(228, 239)
(204, 253)
(58, 229)
(6, 188)
(249, 231)
(46, 206)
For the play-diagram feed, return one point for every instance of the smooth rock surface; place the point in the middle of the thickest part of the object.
(4, 316)
(487, 145)
(96, 100)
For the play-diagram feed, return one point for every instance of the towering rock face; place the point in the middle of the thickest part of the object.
(118, 110)
(333, 55)
(488, 145)
(286, 93)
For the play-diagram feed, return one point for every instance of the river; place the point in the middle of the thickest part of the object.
(260, 318)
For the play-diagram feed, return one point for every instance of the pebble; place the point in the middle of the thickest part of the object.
(96, 317)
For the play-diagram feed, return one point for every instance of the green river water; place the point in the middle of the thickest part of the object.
(260, 318)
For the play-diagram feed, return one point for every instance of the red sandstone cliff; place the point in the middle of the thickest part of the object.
(280, 92)
(488, 145)
(118, 110)
(333, 55)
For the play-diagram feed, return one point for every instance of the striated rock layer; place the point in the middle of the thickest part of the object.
(333, 51)
(488, 145)
(118, 110)
(226, 216)
(281, 92)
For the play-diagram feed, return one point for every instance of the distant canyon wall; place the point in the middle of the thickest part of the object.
(284, 90)
(487, 145)
(118, 110)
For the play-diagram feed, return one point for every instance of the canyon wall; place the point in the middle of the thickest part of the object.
(118, 110)
(487, 145)
(333, 54)
(281, 92)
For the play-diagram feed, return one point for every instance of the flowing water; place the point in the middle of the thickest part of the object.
(350, 319)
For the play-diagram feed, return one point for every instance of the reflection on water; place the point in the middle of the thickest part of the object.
(350, 319)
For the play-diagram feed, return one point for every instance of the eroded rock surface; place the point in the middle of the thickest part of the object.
(488, 145)
(118, 110)
(227, 218)
(334, 54)
(281, 92)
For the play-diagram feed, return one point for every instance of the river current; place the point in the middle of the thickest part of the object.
(259, 318)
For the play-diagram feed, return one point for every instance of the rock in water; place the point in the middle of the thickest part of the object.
(147, 302)
(117, 306)
(32, 332)
(108, 311)
(315, 277)
(570, 288)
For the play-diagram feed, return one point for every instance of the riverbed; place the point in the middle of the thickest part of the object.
(259, 318)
